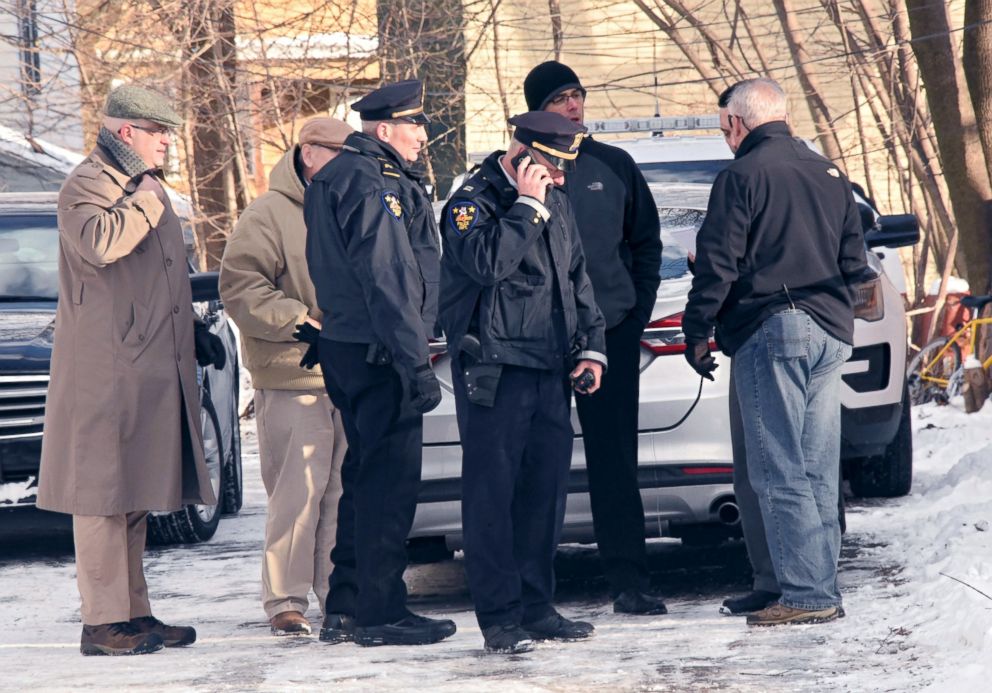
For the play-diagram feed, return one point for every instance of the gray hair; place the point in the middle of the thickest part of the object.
(758, 101)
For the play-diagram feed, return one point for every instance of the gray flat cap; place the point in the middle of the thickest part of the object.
(130, 101)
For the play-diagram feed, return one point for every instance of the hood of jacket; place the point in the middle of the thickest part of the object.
(285, 180)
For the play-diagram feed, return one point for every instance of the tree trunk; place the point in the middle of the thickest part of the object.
(957, 136)
(978, 69)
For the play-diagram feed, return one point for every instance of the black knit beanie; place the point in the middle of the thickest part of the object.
(546, 81)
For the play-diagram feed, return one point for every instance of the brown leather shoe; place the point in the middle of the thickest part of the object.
(117, 639)
(778, 614)
(172, 636)
(289, 623)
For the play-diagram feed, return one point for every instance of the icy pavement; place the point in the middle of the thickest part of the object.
(910, 624)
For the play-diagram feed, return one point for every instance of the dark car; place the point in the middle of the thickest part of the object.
(28, 297)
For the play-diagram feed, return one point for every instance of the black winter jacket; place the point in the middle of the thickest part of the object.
(372, 252)
(515, 280)
(618, 224)
(781, 223)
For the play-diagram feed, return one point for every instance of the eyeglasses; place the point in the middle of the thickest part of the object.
(562, 98)
(158, 130)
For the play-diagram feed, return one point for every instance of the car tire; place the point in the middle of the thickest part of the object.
(233, 494)
(196, 523)
(890, 474)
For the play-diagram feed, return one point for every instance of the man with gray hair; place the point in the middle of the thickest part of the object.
(781, 244)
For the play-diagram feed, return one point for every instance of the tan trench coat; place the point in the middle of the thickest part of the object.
(123, 361)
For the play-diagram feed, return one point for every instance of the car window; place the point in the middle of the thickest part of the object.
(683, 171)
(29, 249)
(675, 258)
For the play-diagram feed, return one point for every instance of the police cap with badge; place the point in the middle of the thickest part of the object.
(398, 101)
(554, 136)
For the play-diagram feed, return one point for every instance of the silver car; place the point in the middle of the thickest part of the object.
(684, 452)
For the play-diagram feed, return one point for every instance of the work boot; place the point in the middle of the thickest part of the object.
(748, 603)
(634, 601)
(779, 614)
(507, 639)
(117, 639)
(172, 636)
(554, 626)
(412, 629)
(289, 623)
(337, 628)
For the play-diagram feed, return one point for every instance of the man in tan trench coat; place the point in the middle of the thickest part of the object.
(122, 426)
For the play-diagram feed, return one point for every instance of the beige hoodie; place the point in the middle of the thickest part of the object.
(265, 284)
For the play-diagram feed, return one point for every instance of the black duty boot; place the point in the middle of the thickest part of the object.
(507, 639)
(409, 630)
(337, 628)
(117, 639)
(172, 636)
(748, 603)
(554, 626)
(634, 601)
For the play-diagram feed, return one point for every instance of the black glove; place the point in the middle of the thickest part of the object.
(209, 347)
(699, 357)
(425, 391)
(308, 334)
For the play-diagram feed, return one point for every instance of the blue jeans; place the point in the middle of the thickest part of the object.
(787, 376)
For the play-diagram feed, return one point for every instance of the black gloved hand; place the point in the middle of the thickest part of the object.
(699, 357)
(425, 390)
(308, 334)
(209, 347)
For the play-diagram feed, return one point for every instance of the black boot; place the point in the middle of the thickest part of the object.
(410, 630)
(507, 639)
(748, 603)
(554, 626)
(337, 628)
(635, 601)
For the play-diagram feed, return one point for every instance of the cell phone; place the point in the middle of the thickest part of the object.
(515, 161)
(583, 381)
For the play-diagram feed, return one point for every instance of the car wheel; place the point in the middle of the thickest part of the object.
(196, 523)
(233, 494)
(890, 474)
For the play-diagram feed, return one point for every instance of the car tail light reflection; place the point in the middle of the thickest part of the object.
(665, 336)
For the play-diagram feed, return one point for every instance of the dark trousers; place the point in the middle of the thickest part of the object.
(609, 432)
(380, 479)
(515, 461)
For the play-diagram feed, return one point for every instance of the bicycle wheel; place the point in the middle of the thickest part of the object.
(928, 376)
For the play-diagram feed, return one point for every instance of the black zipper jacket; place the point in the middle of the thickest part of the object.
(618, 223)
(372, 252)
(515, 278)
(781, 226)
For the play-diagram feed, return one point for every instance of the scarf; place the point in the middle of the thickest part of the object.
(125, 157)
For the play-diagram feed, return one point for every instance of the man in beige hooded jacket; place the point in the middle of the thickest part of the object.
(267, 291)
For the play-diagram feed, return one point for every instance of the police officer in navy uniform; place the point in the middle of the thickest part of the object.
(618, 224)
(372, 253)
(520, 317)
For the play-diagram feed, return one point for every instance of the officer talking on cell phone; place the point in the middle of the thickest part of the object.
(523, 331)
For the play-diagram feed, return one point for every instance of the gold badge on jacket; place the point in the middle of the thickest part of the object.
(392, 204)
(463, 216)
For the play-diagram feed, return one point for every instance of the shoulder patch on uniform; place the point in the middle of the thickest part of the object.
(392, 204)
(387, 168)
(462, 215)
(833, 172)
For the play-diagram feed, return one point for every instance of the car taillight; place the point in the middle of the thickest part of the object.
(869, 303)
(665, 336)
(437, 350)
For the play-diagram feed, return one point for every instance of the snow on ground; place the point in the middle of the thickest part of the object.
(908, 625)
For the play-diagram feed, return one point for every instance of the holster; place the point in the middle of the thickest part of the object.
(378, 355)
(481, 379)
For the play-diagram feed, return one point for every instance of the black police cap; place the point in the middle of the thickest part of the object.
(553, 135)
(397, 101)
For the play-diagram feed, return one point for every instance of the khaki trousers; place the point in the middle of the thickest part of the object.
(109, 570)
(301, 445)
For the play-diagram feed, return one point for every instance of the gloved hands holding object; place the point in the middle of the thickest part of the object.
(209, 347)
(308, 334)
(699, 357)
(425, 391)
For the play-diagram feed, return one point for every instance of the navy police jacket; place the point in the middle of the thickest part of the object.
(516, 278)
(781, 228)
(372, 251)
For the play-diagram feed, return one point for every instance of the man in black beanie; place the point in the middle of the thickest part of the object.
(618, 225)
